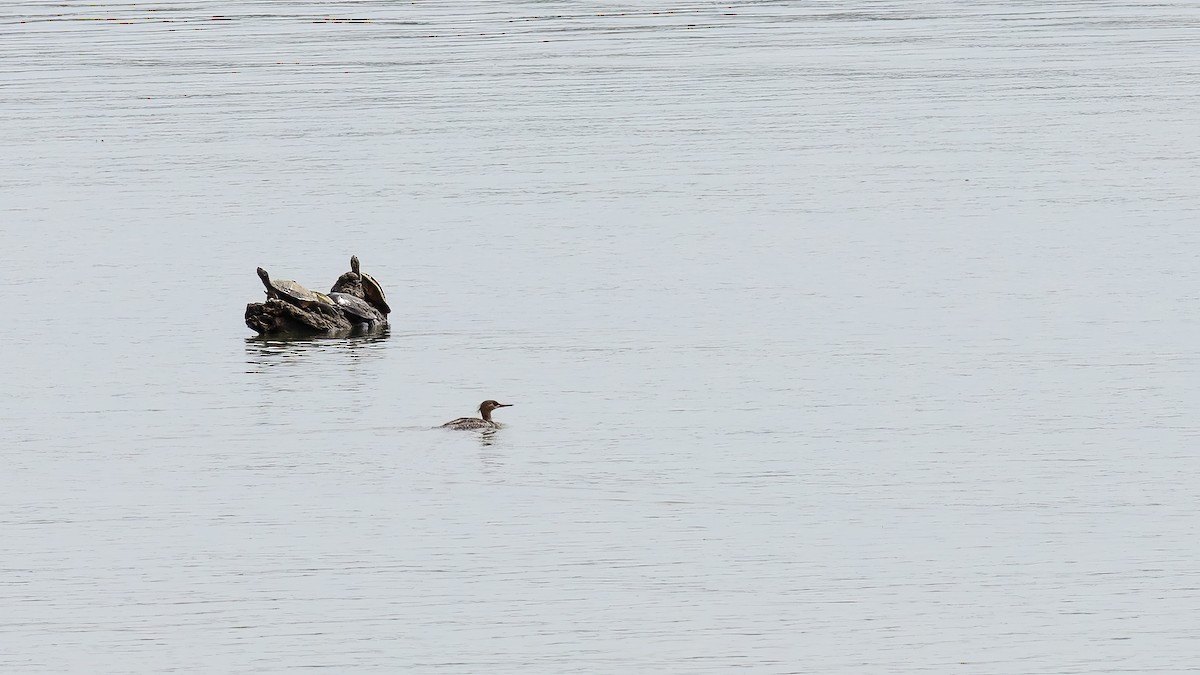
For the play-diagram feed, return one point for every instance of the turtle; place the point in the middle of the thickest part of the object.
(372, 291)
(290, 291)
(356, 309)
(350, 284)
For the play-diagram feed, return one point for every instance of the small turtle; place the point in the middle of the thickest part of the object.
(290, 291)
(372, 291)
(350, 284)
(356, 310)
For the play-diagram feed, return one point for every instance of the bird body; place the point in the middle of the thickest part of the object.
(484, 421)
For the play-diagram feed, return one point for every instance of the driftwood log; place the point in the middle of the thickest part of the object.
(277, 316)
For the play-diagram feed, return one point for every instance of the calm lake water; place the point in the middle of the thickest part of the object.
(841, 337)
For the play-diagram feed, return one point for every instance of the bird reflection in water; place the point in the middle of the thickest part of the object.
(491, 460)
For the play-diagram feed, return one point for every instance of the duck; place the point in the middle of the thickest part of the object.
(483, 422)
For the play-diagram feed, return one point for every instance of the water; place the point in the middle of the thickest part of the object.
(841, 337)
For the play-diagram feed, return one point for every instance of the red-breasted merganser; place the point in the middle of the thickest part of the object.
(485, 409)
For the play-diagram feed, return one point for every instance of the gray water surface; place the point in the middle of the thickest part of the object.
(840, 337)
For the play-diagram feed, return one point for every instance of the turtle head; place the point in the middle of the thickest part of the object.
(354, 264)
(266, 278)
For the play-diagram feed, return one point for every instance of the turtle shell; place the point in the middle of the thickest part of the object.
(355, 309)
(289, 290)
(350, 283)
(372, 291)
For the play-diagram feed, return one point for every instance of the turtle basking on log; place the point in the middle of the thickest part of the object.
(372, 291)
(356, 309)
(362, 285)
(292, 308)
(286, 289)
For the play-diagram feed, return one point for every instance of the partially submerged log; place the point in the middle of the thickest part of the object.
(277, 316)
